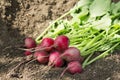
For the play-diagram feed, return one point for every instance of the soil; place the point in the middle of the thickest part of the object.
(28, 18)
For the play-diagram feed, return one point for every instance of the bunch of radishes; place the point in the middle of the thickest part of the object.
(55, 53)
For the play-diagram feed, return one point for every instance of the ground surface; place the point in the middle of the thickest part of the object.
(21, 18)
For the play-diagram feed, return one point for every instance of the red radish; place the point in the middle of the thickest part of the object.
(58, 62)
(52, 50)
(55, 59)
(36, 54)
(42, 57)
(73, 68)
(61, 43)
(27, 53)
(40, 48)
(72, 54)
(48, 49)
(47, 42)
(30, 43)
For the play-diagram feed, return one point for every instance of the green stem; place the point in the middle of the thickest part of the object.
(86, 60)
(104, 54)
(115, 16)
(91, 42)
(94, 47)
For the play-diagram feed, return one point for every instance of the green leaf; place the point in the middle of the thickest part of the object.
(103, 23)
(82, 3)
(99, 7)
(116, 8)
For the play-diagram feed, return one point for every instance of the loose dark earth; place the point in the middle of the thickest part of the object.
(23, 18)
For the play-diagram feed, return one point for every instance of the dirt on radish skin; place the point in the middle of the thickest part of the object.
(30, 43)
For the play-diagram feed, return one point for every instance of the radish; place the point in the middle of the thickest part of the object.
(30, 43)
(42, 57)
(38, 48)
(55, 59)
(27, 53)
(73, 68)
(72, 54)
(46, 44)
(36, 54)
(61, 43)
(41, 48)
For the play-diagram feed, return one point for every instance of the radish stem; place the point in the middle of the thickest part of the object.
(101, 55)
